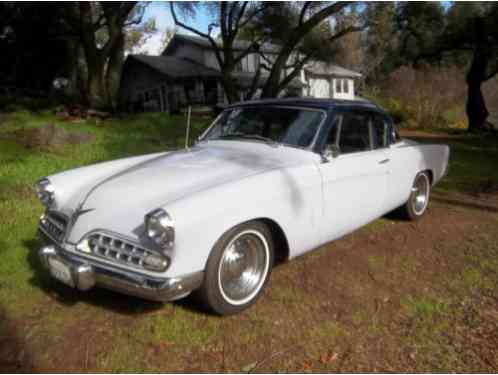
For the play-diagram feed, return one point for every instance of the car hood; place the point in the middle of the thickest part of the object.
(135, 191)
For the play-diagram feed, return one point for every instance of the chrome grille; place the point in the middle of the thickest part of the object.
(54, 225)
(118, 250)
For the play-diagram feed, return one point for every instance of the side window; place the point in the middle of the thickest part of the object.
(354, 135)
(379, 131)
(333, 135)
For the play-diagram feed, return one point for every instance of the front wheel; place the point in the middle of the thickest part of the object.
(238, 268)
(417, 204)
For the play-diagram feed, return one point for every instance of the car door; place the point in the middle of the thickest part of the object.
(354, 182)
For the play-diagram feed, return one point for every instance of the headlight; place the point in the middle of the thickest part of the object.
(45, 191)
(160, 228)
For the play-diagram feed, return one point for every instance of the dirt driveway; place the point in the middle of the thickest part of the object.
(394, 296)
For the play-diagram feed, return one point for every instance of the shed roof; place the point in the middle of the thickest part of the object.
(323, 68)
(175, 67)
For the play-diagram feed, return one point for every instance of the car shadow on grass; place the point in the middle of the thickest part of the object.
(100, 297)
(465, 204)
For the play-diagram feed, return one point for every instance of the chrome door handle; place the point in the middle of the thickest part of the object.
(384, 161)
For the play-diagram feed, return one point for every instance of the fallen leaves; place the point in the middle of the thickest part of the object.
(328, 357)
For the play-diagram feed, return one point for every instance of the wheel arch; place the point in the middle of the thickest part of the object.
(280, 242)
(430, 174)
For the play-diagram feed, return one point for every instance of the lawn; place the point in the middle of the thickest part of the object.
(393, 296)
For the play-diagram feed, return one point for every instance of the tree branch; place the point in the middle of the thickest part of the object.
(303, 11)
(240, 14)
(199, 33)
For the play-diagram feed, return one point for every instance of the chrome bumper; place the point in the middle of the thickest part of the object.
(86, 274)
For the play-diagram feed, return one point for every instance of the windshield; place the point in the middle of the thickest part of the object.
(291, 126)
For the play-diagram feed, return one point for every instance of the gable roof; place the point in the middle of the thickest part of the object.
(175, 67)
(238, 45)
(327, 69)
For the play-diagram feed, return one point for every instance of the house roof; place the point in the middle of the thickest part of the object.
(175, 67)
(204, 43)
(245, 79)
(327, 69)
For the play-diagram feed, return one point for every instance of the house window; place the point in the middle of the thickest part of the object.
(345, 83)
(338, 88)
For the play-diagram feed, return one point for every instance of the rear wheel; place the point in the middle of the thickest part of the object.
(417, 204)
(238, 268)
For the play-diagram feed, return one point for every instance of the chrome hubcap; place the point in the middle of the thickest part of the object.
(420, 194)
(243, 267)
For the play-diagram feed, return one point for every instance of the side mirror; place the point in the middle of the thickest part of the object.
(330, 152)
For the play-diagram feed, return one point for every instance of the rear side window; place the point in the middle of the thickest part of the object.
(354, 135)
(379, 131)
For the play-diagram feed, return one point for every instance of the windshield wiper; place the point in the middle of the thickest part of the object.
(249, 136)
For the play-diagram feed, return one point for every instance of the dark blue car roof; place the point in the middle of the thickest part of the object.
(325, 104)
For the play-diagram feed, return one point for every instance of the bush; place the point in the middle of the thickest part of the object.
(12, 103)
(423, 98)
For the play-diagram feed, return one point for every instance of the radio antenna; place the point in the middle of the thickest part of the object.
(188, 127)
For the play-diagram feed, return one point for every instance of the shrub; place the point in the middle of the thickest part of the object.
(425, 98)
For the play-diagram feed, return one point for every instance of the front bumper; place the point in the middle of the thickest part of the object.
(84, 275)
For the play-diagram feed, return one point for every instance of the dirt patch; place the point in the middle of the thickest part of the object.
(47, 137)
(394, 296)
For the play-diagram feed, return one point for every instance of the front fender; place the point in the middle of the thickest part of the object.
(289, 196)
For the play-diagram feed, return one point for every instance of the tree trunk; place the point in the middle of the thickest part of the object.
(477, 112)
(96, 86)
(113, 73)
(229, 87)
(272, 85)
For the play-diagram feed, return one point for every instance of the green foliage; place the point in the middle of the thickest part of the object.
(424, 308)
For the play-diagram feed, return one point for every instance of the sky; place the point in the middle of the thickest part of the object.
(160, 11)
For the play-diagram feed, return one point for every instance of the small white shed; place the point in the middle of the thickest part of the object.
(324, 80)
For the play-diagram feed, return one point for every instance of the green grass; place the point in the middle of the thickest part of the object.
(21, 167)
(424, 308)
(473, 161)
(123, 334)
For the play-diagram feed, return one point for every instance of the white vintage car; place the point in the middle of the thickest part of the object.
(266, 182)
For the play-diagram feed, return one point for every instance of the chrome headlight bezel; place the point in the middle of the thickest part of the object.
(160, 228)
(45, 192)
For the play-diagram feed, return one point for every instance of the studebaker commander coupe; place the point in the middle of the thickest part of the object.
(268, 180)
